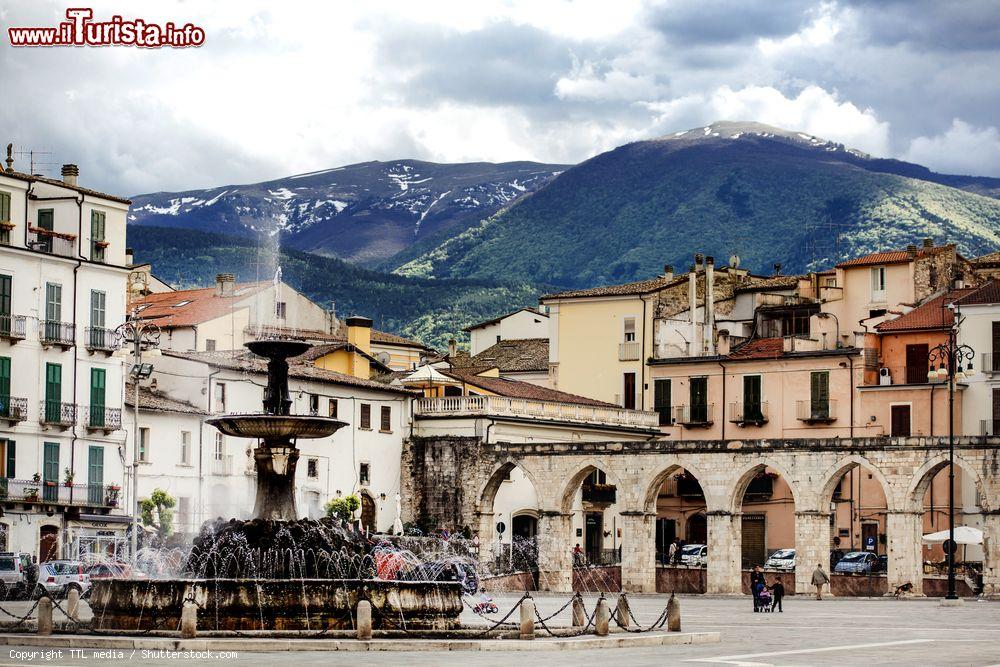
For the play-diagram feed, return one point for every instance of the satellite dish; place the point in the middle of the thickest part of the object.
(383, 358)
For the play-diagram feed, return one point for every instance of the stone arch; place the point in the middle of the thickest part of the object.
(923, 476)
(739, 488)
(831, 478)
(488, 494)
(564, 501)
(652, 488)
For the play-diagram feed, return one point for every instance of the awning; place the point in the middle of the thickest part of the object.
(963, 535)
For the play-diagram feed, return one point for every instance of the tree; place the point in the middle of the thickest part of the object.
(156, 511)
(343, 508)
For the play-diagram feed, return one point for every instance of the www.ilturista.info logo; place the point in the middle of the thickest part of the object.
(81, 30)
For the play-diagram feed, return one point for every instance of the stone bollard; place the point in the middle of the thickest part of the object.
(602, 618)
(673, 614)
(621, 611)
(579, 613)
(527, 619)
(364, 615)
(73, 604)
(45, 616)
(189, 620)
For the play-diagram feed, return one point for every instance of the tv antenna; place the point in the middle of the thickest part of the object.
(38, 161)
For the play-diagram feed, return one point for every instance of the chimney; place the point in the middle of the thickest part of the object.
(359, 333)
(331, 314)
(911, 251)
(724, 343)
(129, 257)
(710, 305)
(452, 348)
(225, 284)
(957, 279)
(10, 157)
(693, 307)
(928, 243)
(777, 269)
(70, 172)
(668, 272)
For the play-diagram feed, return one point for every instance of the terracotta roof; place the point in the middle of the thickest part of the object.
(518, 389)
(987, 294)
(627, 289)
(317, 351)
(55, 181)
(774, 282)
(497, 319)
(893, 256)
(760, 348)
(930, 315)
(245, 361)
(990, 260)
(157, 401)
(510, 356)
(184, 308)
(383, 337)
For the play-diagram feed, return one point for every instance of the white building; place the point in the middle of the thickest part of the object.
(980, 330)
(521, 324)
(63, 277)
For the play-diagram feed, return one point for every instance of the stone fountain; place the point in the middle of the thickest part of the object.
(276, 572)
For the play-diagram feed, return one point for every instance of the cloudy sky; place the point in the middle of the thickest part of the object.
(288, 87)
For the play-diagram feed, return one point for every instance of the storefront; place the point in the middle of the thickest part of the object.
(98, 536)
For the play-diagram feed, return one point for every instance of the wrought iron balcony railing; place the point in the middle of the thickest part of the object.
(97, 418)
(13, 409)
(748, 414)
(52, 332)
(13, 327)
(816, 412)
(57, 413)
(47, 492)
(99, 339)
(694, 415)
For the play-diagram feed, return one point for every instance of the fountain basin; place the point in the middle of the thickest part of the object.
(274, 604)
(266, 426)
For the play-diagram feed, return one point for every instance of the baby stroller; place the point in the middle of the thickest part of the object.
(485, 605)
(765, 599)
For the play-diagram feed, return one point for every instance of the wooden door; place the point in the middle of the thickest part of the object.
(48, 540)
(899, 421)
(916, 364)
(367, 513)
(699, 400)
(628, 392)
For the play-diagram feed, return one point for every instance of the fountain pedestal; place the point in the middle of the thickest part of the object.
(276, 482)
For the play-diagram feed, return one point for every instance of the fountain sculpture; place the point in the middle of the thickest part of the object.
(276, 572)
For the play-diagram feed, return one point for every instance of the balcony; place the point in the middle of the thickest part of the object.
(989, 427)
(223, 465)
(629, 351)
(599, 494)
(99, 250)
(694, 416)
(990, 363)
(13, 328)
(103, 419)
(40, 492)
(99, 339)
(51, 242)
(57, 413)
(748, 414)
(13, 409)
(818, 412)
(503, 406)
(51, 332)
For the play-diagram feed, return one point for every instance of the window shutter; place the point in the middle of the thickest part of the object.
(11, 459)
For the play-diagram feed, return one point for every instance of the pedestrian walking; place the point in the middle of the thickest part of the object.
(819, 579)
(672, 551)
(778, 591)
(679, 552)
(757, 583)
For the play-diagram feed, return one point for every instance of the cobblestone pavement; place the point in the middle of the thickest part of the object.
(833, 631)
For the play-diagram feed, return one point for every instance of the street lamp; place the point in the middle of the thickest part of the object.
(139, 335)
(946, 362)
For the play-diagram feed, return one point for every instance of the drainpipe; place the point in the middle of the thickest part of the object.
(642, 358)
(201, 447)
(693, 305)
(27, 196)
(76, 352)
(723, 367)
(850, 360)
(709, 331)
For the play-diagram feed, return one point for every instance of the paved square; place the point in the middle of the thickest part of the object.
(833, 631)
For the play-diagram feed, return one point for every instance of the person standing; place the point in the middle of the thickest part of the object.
(672, 551)
(819, 579)
(778, 591)
(756, 584)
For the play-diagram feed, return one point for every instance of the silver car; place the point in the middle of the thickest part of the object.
(782, 559)
(17, 575)
(57, 577)
(694, 555)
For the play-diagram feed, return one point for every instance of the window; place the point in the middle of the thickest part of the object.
(220, 397)
(8, 458)
(312, 468)
(98, 382)
(753, 407)
(97, 239)
(220, 447)
(183, 512)
(819, 394)
(99, 337)
(53, 308)
(53, 393)
(5, 407)
(4, 217)
(877, 312)
(95, 475)
(629, 330)
(50, 472)
(332, 408)
(628, 391)
(661, 400)
(699, 400)
(6, 296)
(46, 221)
(280, 308)
(144, 444)
(366, 415)
(313, 404)
(386, 419)
(498, 338)
(185, 447)
(365, 474)
(878, 284)
(210, 345)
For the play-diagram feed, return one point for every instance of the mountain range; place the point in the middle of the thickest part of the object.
(495, 235)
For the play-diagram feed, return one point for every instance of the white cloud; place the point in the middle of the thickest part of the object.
(585, 82)
(822, 31)
(961, 149)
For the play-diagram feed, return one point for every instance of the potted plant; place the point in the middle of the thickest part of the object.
(111, 495)
(31, 492)
(68, 477)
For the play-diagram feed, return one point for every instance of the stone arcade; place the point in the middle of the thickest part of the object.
(456, 480)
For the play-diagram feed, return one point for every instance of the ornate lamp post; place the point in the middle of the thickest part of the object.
(946, 361)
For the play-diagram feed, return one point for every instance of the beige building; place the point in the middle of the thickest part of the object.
(526, 323)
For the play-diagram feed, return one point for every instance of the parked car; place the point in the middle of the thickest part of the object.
(17, 575)
(782, 559)
(114, 570)
(57, 577)
(694, 555)
(858, 562)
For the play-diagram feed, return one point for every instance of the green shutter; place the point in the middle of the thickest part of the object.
(4, 380)
(53, 392)
(661, 400)
(4, 207)
(95, 476)
(6, 294)
(50, 472)
(699, 400)
(752, 409)
(97, 386)
(819, 394)
(11, 459)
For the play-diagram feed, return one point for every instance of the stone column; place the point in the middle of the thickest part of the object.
(812, 547)
(555, 552)
(991, 555)
(724, 558)
(904, 534)
(638, 552)
(487, 537)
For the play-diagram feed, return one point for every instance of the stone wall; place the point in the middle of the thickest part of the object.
(680, 580)
(597, 579)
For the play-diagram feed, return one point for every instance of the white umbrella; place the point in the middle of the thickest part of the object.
(963, 535)
(427, 376)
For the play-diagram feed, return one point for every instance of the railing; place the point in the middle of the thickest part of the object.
(603, 557)
(893, 375)
(629, 351)
(989, 427)
(694, 415)
(57, 413)
(13, 409)
(99, 339)
(103, 419)
(223, 465)
(534, 409)
(748, 413)
(58, 493)
(600, 494)
(772, 299)
(51, 332)
(13, 327)
(819, 412)
(99, 250)
(990, 362)
(53, 243)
